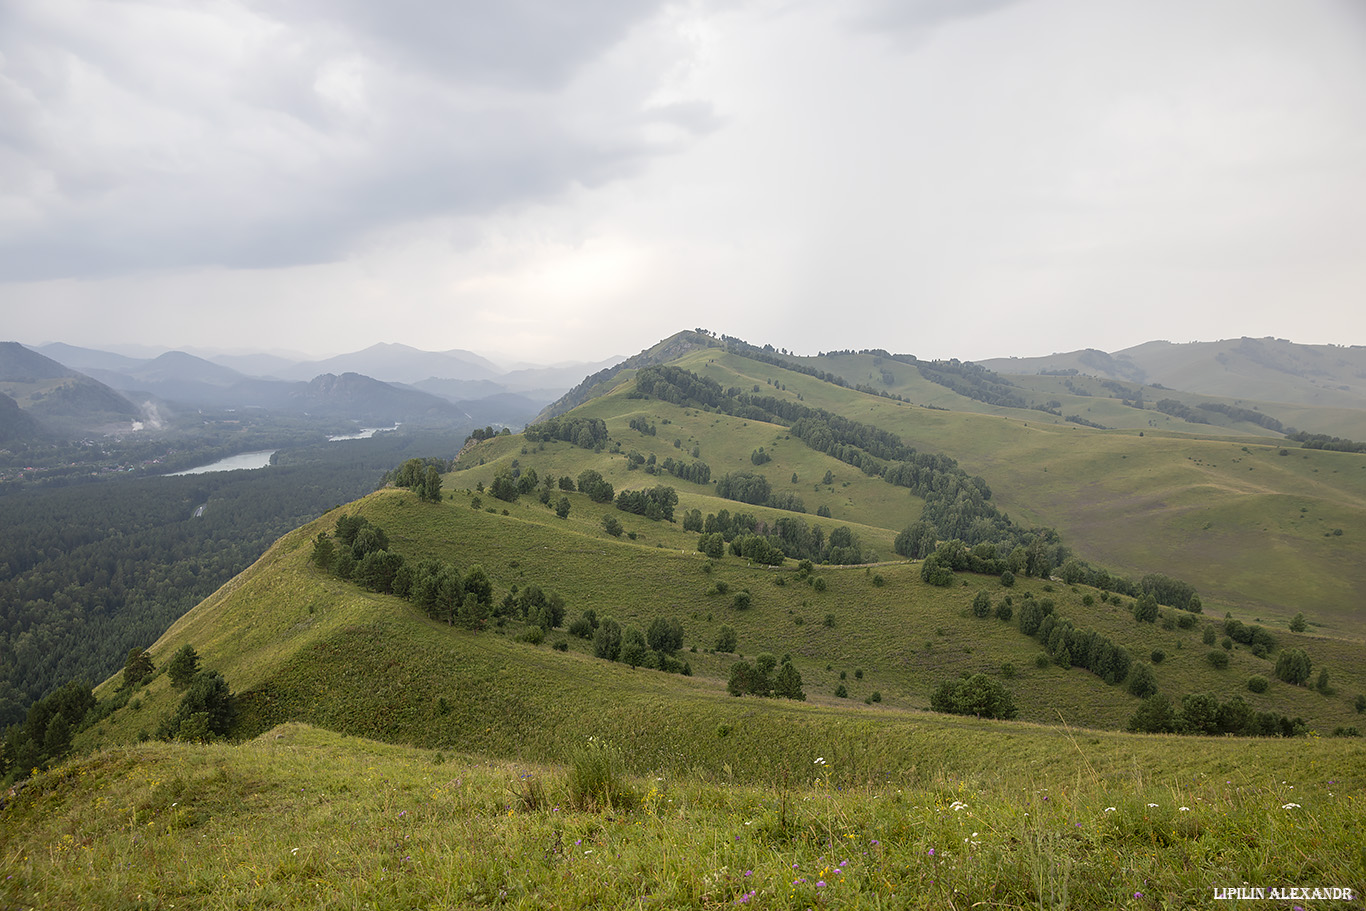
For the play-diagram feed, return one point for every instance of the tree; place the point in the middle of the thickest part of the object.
(612, 526)
(788, 683)
(1199, 714)
(182, 667)
(562, 508)
(1293, 666)
(633, 647)
(1299, 624)
(607, 640)
(1145, 609)
(665, 635)
(322, 551)
(431, 485)
(726, 639)
(981, 605)
(934, 572)
(208, 694)
(1142, 682)
(504, 487)
(1154, 716)
(139, 667)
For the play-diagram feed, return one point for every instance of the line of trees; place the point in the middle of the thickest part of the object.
(766, 677)
(657, 648)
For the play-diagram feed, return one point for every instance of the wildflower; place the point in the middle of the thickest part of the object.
(1185, 809)
(1109, 809)
(1290, 806)
(1138, 895)
(1152, 805)
(749, 872)
(820, 760)
(957, 805)
(744, 899)
(932, 852)
(820, 884)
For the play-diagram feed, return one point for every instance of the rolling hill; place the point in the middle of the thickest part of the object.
(763, 449)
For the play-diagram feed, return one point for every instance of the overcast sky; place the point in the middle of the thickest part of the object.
(545, 181)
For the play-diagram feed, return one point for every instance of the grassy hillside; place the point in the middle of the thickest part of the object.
(301, 817)
(841, 799)
(1217, 505)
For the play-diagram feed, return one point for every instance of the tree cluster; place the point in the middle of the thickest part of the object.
(586, 433)
(976, 694)
(1203, 713)
(766, 677)
(655, 503)
(656, 649)
(423, 476)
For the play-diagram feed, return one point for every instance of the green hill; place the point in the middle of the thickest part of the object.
(873, 640)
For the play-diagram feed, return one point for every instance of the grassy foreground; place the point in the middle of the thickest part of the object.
(301, 817)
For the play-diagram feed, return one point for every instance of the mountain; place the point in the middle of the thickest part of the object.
(63, 399)
(1266, 369)
(363, 398)
(88, 359)
(16, 426)
(399, 364)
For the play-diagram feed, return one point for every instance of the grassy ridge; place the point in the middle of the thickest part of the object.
(303, 817)
(1209, 505)
(301, 645)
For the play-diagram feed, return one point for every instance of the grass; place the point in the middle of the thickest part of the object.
(301, 817)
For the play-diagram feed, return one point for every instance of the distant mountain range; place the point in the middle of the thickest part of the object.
(1268, 369)
(61, 390)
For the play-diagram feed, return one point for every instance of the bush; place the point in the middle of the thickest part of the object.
(1257, 683)
(742, 600)
(829, 621)
(841, 692)
(1219, 660)
(981, 605)
(975, 695)
(1004, 611)
(1158, 656)
(1008, 671)
(597, 781)
(611, 526)
(876, 696)
(1208, 635)
(726, 639)
(1007, 578)
(532, 635)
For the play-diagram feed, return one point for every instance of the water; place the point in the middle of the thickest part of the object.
(243, 460)
(364, 434)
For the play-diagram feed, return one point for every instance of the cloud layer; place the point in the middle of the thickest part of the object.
(538, 179)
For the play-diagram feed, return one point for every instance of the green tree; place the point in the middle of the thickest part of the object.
(1299, 624)
(1199, 714)
(1142, 681)
(431, 485)
(562, 508)
(138, 667)
(1293, 666)
(612, 526)
(726, 639)
(1145, 609)
(633, 647)
(607, 640)
(1154, 716)
(981, 605)
(208, 693)
(182, 667)
(322, 550)
(788, 683)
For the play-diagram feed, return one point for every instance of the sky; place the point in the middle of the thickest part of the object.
(543, 182)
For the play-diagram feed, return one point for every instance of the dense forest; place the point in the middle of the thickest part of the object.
(90, 570)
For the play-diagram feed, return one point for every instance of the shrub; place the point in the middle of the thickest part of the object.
(597, 781)
(818, 584)
(1041, 661)
(841, 692)
(742, 599)
(1158, 656)
(611, 526)
(1142, 683)
(981, 605)
(1219, 660)
(1360, 703)
(1004, 611)
(1257, 683)
(1007, 578)
(532, 635)
(829, 621)
(726, 639)
(1008, 671)
(975, 695)
(1208, 635)
(876, 696)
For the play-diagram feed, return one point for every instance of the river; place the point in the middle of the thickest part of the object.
(243, 460)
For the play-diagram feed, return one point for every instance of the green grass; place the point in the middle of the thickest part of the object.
(1216, 506)
(301, 817)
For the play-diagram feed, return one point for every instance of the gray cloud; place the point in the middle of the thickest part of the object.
(135, 139)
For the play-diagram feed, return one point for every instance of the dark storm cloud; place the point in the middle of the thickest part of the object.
(285, 133)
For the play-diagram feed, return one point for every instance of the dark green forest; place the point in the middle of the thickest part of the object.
(90, 570)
